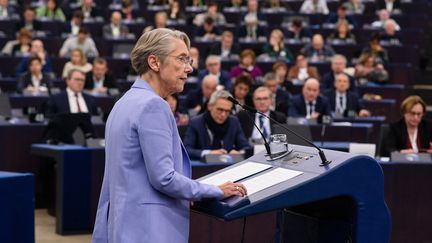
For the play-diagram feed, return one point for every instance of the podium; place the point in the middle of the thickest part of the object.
(346, 196)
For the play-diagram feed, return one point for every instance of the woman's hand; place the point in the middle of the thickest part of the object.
(233, 189)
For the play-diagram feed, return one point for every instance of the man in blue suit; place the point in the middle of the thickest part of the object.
(213, 66)
(72, 100)
(309, 104)
(146, 191)
(215, 131)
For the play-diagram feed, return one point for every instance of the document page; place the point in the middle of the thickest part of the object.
(269, 179)
(236, 173)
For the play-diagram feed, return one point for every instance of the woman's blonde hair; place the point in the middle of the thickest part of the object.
(409, 102)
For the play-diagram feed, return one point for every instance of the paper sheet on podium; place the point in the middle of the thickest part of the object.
(269, 179)
(237, 173)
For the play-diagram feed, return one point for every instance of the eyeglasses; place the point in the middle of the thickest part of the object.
(186, 60)
(412, 113)
(221, 110)
(261, 98)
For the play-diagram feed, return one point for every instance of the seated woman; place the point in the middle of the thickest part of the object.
(51, 10)
(241, 91)
(368, 72)
(342, 34)
(302, 71)
(280, 69)
(276, 47)
(181, 119)
(77, 61)
(22, 48)
(412, 133)
(247, 65)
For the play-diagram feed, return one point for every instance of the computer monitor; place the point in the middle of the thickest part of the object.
(69, 128)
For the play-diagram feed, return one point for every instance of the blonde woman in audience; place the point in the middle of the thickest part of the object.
(22, 47)
(276, 47)
(78, 61)
(367, 70)
(342, 34)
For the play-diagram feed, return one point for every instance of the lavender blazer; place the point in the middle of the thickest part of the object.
(146, 187)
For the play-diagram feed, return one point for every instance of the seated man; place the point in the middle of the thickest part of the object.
(226, 48)
(213, 67)
(82, 41)
(262, 102)
(318, 51)
(72, 100)
(309, 104)
(342, 101)
(98, 80)
(215, 131)
(34, 81)
(196, 101)
(37, 48)
(279, 97)
(338, 65)
(115, 29)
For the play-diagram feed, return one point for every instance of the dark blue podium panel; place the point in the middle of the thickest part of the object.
(356, 179)
(16, 208)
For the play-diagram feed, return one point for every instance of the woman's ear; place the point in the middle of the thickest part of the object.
(153, 62)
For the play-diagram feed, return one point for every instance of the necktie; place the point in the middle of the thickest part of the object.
(341, 109)
(77, 102)
(262, 127)
(311, 108)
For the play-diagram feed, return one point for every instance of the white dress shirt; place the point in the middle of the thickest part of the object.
(340, 108)
(73, 102)
(255, 134)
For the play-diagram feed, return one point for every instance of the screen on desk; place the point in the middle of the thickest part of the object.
(62, 128)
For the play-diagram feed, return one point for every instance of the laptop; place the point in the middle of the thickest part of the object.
(5, 107)
(415, 157)
(302, 130)
(223, 158)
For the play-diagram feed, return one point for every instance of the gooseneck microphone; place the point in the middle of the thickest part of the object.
(323, 158)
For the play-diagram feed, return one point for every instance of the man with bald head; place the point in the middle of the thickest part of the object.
(196, 102)
(318, 51)
(309, 104)
(115, 29)
(36, 49)
(342, 101)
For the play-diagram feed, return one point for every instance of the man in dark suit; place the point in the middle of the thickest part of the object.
(342, 101)
(213, 67)
(34, 80)
(89, 9)
(28, 20)
(341, 15)
(262, 102)
(296, 31)
(251, 30)
(72, 27)
(309, 104)
(317, 50)
(72, 100)
(226, 48)
(215, 131)
(98, 80)
(279, 97)
(115, 29)
(196, 101)
(338, 65)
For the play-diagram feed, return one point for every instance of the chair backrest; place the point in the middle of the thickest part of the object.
(5, 106)
(382, 141)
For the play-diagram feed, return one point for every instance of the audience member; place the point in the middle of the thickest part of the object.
(77, 61)
(367, 71)
(215, 131)
(196, 101)
(247, 64)
(72, 27)
(212, 12)
(36, 49)
(208, 31)
(279, 97)
(343, 102)
(301, 71)
(383, 16)
(342, 34)
(175, 12)
(296, 31)
(392, 6)
(51, 10)
(253, 10)
(129, 11)
(98, 80)
(242, 86)
(309, 104)
(262, 99)
(236, 4)
(338, 66)
(314, 7)
(226, 48)
(72, 100)
(251, 30)
(89, 9)
(342, 15)
(354, 6)
(6, 10)
(22, 47)
(82, 41)
(277, 5)
(390, 36)
(276, 47)
(317, 51)
(280, 69)
(160, 21)
(173, 102)
(34, 80)
(213, 67)
(115, 29)
(28, 20)
(412, 133)
(376, 50)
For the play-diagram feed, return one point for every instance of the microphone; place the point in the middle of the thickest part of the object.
(266, 144)
(323, 158)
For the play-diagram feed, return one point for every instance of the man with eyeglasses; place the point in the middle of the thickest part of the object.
(213, 67)
(262, 102)
(215, 131)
